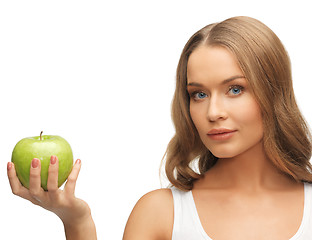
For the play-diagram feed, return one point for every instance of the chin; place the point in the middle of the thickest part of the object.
(224, 153)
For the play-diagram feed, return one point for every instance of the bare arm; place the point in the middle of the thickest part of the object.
(152, 217)
(74, 212)
(84, 230)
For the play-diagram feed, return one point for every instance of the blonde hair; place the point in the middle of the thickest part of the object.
(266, 65)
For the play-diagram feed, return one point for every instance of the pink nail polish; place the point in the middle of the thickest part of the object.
(9, 166)
(53, 160)
(35, 163)
(78, 161)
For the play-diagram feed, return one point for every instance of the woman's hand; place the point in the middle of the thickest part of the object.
(74, 213)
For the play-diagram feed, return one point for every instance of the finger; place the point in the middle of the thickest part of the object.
(35, 179)
(16, 186)
(13, 180)
(52, 183)
(72, 178)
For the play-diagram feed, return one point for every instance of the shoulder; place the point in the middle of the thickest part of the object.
(163, 194)
(159, 201)
(151, 217)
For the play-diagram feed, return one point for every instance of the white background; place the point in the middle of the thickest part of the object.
(101, 75)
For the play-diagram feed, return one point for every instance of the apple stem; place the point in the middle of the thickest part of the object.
(41, 135)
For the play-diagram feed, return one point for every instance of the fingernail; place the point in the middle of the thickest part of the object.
(53, 160)
(78, 161)
(35, 163)
(9, 166)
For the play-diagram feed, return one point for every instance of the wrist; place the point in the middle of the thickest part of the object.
(74, 213)
(83, 228)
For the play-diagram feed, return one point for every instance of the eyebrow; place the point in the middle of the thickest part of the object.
(222, 83)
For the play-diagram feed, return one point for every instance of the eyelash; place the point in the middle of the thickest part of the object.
(240, 88)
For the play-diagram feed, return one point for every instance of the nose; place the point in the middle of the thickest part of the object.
(216, 109)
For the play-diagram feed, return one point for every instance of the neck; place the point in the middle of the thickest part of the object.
(250, 171)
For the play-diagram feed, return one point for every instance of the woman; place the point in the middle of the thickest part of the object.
(239, 161)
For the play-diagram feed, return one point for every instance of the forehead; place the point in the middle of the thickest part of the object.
(211, 63)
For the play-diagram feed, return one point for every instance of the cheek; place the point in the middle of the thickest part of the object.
(198, 116)
(249, 115)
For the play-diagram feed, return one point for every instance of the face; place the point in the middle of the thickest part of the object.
(222, 106)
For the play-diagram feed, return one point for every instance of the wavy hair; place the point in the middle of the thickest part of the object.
(266, 65)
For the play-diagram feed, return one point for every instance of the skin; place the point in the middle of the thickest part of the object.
(221, 98)
(244, 194)
(74, 213)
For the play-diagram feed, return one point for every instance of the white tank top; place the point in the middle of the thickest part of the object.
(187, 225)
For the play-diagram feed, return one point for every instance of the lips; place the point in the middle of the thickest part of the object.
(221, 133)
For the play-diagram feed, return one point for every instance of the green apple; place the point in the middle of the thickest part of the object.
(42, 147)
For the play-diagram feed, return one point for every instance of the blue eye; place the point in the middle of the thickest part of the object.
(198, 95)
(235, 90)
(201, 95)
